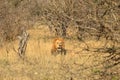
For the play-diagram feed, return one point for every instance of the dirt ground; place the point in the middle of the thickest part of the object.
(39, 64)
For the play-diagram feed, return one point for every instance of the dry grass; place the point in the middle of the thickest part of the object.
(68, 18)
(39, 64)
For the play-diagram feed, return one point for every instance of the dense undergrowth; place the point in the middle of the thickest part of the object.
(72, 19)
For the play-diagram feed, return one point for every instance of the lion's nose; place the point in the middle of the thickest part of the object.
(60, 45)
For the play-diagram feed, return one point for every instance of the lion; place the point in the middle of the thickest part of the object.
(58, 47)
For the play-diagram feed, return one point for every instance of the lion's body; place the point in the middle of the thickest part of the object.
(58, 47)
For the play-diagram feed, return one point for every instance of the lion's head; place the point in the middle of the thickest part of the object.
(58, 44)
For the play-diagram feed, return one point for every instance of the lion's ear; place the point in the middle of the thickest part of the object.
(62, 40)
(55, 40)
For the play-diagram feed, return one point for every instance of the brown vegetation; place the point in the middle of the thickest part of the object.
(90, 22)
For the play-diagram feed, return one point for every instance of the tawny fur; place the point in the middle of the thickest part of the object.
(58, 46)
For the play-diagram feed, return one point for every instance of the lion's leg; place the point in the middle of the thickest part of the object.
(63, 52)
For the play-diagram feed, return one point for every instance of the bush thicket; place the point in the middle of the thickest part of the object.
(86, 19)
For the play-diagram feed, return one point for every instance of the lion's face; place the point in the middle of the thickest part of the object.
(58, 44)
